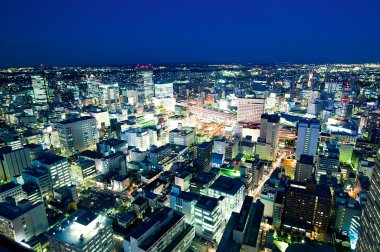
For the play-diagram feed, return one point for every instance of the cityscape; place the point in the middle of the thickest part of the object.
(237, 143)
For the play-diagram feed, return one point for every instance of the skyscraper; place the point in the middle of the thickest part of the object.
(110, 96)
(40, 89)
(145, 86)
(267, 143)
(369, 239)
(307, 138)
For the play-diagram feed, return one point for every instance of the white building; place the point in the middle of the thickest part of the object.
(250, 110)
(232, 189)
(163, 90)
(40, 90)
(11, 189)
(182, 136)
(110, 96)
(82, 232)
(57, 167)
(307, 138)
(22, 221)
(165, 230)
(267, 143)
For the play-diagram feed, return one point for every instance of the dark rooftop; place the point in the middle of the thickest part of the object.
(49, 158)
(74, 120)
(227, 185)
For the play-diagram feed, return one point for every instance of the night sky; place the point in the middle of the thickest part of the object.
(101, 32)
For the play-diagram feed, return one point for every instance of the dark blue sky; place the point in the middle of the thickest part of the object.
(80, 32)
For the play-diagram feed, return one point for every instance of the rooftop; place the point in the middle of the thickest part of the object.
(74, 120)
(79, 228)
(49, 158)
(227, 185)
(8, 186)
(207, 203)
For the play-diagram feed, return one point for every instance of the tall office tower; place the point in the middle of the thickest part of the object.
(369, 239)
(78, 134)
(40, 90)
(110, 96)
(13, 162)
(307, 207)
(145, 86)
(57, 167)
(22, 221)
(204, 155)
(250, 110)
(165, 230)
(307, 138)
(92, 86)
(163, 90)
(82, 231)
(267, 143)
(304, 168)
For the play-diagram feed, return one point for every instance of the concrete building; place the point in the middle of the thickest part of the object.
(267, 143)
(22, 221)
(307, 138)
(165, 230)
(40, 90)
(209, 217)
(307, 208)
(250, 110)
(110, 96)
(40, 177)
(369, 240)
(13, 162)
(82, 232)
(204, 155)
(82, 170)
(184, 136)
(184, 202)
(12, 190)
(243, 230)
(145, 86)
(328, 164)
(57, 167)
(304, 168)
(182, 179)
(201, 183)
(78, 134)
(163, 90)
(232, 189)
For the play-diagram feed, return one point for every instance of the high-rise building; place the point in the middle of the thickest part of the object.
(307, 207)
(304, 168)
(307, 138)
(82, 232)
(145, 86)
(369, 240)
(22, 221)
(163, 90)
(267, 143)
(328, 164)
(13, 162)
(57, 167)
(40, 90)
(40, 177)
(250, 110)
(165, 230)
(110, 96)
(78, 134)
(204, 155)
